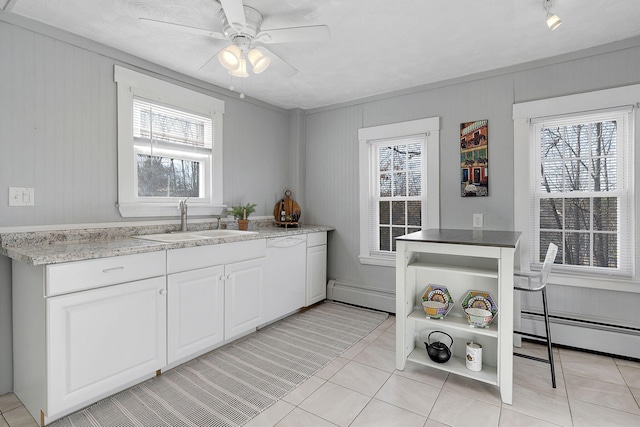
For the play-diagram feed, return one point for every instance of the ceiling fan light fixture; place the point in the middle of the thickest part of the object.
(258, 61)
(241, 71)
(229, 57)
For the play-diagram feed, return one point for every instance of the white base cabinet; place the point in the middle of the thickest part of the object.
(243, 297)
(195, 312)
(85, 330)
(316, 268)
(461, 260)
(100, 339)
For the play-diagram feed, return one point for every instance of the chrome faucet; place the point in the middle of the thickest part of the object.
(183, 214)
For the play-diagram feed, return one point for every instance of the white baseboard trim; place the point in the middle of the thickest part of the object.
(361, 295)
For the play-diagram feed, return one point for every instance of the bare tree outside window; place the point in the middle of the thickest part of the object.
(578, 204)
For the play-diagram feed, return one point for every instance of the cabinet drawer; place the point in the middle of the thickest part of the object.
(80, 275)
(316, 239)
(206, 256)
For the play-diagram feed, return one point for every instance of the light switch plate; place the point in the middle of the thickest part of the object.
(478, 220)
(20, 196)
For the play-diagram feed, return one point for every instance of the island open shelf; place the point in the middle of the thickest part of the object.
(461, 260)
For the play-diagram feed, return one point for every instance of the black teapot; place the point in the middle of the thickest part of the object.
(437, 351)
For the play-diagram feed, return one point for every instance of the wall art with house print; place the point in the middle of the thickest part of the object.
(474, 172)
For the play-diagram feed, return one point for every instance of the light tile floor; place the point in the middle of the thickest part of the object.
(362, 388)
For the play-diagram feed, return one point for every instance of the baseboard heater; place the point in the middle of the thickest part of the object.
(590, 335)
(361, 295)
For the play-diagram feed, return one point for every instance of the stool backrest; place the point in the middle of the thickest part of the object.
(548, 262)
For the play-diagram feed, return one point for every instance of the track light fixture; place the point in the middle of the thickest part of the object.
(553, 21)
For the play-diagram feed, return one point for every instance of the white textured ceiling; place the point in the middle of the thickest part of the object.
(376, 46)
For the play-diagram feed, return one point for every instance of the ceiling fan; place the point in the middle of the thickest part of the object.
(241, 25)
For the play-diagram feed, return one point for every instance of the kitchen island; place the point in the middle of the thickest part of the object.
(462, 261)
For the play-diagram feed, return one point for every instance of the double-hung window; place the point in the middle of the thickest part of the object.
(169, 147)
(574, 168)
(581, 197)
(398, 185)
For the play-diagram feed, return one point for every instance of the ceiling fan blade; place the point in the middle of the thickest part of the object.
(234, 11)
(183, 28)
(212, 63)
(313, 33)
(280, 65)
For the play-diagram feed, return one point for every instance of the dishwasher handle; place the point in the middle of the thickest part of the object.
(286, 242)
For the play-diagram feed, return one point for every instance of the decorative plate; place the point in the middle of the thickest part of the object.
(441, 294)
(480, 299)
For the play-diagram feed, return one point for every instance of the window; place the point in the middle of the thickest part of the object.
(169, 147)
(574, 168)
(398, 185)
(581, 199)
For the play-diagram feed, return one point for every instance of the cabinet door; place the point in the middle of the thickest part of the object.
(103, 339)
(243, 296)
(195, 312)
(316, 274)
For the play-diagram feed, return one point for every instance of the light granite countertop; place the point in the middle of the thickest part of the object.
(53, 247)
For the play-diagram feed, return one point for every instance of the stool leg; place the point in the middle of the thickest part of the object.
(548, 328)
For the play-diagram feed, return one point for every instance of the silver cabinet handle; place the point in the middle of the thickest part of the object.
(222, 277)
(109, 270)
(229, 276)
(163, 291)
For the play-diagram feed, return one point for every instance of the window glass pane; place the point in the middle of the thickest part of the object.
(385, 238)
(552, 173)
(397, 232)
(605, 250)
(413, 230)
(400, 184)
(604, 138)
(576, 176)
(551, 214)
(167, 177)
(415, 184)
(399, 157)
(414, 157)
(550, 147)
(385, 185)
(156, 122)
(385, 212)
(550, 237)
(605, 213)
(398, 213)
(604, 174)
(577, 214)
(414, 212)
(576, 140)
(577, 249)
(385, 154)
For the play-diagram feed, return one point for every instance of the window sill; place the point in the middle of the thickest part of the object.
(381, 262)
(595, 282)
(141, 210)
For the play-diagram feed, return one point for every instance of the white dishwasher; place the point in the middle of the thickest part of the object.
(285, 275)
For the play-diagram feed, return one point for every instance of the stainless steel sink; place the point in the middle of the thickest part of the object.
(193, 235)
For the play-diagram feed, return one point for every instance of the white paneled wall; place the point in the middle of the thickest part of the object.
(58, 130)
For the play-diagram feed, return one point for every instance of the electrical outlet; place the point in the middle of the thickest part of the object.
(478, 220)
(19, 196)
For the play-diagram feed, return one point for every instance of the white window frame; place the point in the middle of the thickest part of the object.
(369, 138)
(524, 163)
(131, 83)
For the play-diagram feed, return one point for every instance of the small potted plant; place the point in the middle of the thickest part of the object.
(241, 213)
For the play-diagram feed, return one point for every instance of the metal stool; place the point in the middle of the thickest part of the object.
(537, 282)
